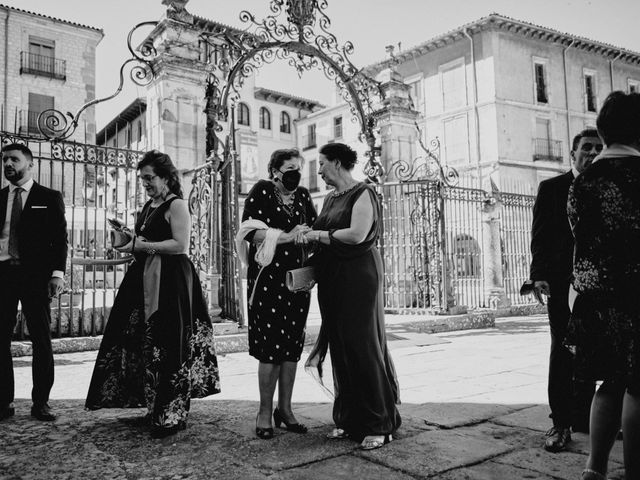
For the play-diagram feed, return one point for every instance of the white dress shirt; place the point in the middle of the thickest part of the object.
(6, 226)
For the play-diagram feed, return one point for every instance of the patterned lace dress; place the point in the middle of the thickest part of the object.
(158, 348)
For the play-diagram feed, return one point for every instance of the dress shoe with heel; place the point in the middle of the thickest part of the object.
(263, 433)
(558, 439)
(7, 411)
(42, 413)
(278, 419)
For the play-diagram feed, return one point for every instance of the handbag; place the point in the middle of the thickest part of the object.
(301, 279)
(120, 235)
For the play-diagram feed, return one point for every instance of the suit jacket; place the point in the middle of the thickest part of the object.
(42, 233)
(551, 237)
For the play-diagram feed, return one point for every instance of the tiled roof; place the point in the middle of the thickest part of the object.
(495, 20)
(7, 7)
(133, 110)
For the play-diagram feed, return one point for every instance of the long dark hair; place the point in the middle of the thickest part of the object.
(164, 168)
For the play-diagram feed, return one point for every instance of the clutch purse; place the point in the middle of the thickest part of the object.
(119, 235)
(301, 279)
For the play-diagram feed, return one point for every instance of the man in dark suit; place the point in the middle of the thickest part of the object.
(33, 254)
(550, 275)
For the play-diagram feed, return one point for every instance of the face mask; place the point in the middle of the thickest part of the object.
(291, 179)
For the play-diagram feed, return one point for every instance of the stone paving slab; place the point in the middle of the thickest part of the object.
(493, 471)
(451, 415)
(560, 465)
(534, 418)
(417, 455)
(342, 468)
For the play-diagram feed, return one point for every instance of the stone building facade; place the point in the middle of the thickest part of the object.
(505, 97)
(48, 63)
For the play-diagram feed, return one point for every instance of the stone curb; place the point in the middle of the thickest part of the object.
(232, 339)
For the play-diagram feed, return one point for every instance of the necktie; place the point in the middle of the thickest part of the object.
(16, 211)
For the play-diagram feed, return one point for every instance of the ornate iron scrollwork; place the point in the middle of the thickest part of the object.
(55, 125)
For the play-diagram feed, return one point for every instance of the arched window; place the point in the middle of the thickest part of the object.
(466, 256)
(243, 115)
(265, 118)
(285, 123)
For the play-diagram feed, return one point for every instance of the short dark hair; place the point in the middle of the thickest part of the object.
(619, 118)
(340, 152)
(587, 132)
(278, 157)
(164, 168)
(19, 147)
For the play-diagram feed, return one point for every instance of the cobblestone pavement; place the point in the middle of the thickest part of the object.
(474, 407)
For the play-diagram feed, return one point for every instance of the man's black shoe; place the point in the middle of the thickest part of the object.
(557, 439)
(43, 413)
(7, 411)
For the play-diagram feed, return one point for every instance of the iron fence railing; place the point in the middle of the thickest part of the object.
(516, 216)
(546, 149)
(96, 183)
(43, 65)
(465, 244)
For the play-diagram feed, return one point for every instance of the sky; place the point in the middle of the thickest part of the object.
(369, 24)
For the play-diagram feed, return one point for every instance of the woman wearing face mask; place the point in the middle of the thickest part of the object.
(276, 215)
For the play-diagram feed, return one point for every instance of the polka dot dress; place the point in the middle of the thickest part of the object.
(277, 317)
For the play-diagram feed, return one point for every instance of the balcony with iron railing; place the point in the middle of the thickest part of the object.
(546, 149)
(43, 65)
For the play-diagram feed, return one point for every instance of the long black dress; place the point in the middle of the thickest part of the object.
(277, 317)
(350, 296)
(158, 346)
(604, 210)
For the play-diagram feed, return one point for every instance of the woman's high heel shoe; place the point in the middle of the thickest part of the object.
(278, 420)
(263, 433)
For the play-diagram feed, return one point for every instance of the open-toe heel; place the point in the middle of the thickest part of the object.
(372, 443)
(263, 433)
(278, 420)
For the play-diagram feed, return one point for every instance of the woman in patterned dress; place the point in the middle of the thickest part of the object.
(350, 276)
(604, 212)
(277, 317)
(158, 347)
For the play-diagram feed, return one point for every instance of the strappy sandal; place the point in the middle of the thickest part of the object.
(370, 443)
(588, 474)
(337, 434)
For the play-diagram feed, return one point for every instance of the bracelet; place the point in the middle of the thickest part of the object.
(150, 251)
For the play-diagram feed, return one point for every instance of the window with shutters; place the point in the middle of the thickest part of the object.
(265, 118)
(285, 122)
(454, 85)
(37, 104)
(590, 101)
(243, 114)
(540, 81)
(337, 127)
(456, 140)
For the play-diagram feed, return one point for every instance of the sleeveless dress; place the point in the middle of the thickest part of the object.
(277, 317)
(350, 296)
(158, 346)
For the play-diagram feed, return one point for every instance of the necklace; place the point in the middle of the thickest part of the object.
(345, 191)
(286, 206)
(148, 215)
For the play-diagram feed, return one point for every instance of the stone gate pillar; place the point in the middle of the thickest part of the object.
(494, 291)
(396, 120)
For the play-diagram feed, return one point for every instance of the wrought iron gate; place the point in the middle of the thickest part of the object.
(96, 183)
